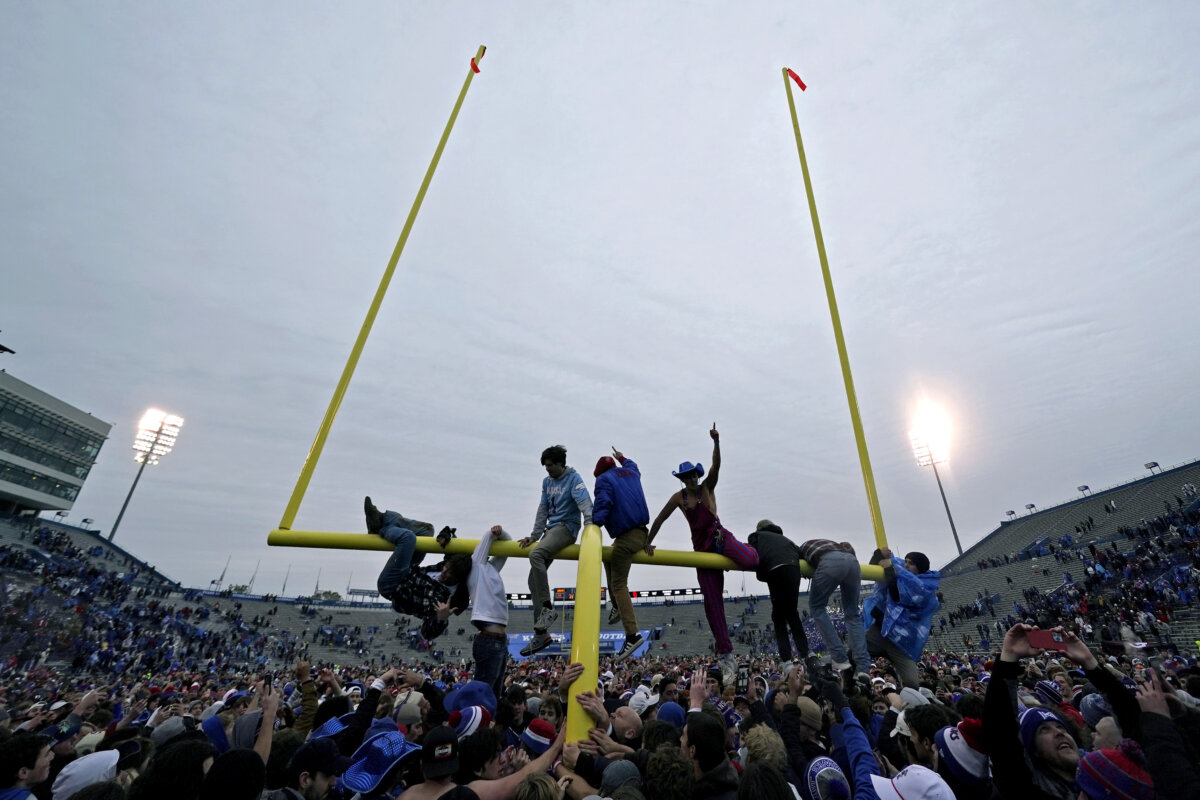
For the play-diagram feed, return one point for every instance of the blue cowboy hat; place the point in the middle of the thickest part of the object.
(688, 467)
(375, 759)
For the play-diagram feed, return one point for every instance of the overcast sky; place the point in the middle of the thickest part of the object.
(197, 201)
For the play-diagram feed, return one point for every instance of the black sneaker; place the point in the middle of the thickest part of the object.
(631, 643)
(614, 615)
(539, 642)
(374, 518)
(445, 535)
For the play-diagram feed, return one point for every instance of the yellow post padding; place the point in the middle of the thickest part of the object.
(427, 544)
(860, 438)
(585, 635)
(314, 452)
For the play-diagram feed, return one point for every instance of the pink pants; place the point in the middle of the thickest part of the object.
(712, 586)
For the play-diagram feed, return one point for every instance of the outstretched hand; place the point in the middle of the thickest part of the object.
(716, 437)
(1078, 651)
(1016, 643)
(1151, 697)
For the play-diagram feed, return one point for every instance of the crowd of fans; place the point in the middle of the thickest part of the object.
(111, 689)
(1030, 721)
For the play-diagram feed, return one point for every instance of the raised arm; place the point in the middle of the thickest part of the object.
(710, 480)
(667, 511)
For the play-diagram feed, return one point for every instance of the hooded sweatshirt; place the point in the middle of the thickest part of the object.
(563, 500)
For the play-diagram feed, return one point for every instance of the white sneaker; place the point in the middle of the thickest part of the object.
(614, 615)
(840, 666)
(539, 642)
(631, 643)
(545, 620)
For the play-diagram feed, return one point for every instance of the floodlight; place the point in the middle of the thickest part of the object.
(1030, 507)
(1010, 513)
(930, 438)
(1084, 489)
(1152, 465)
(931, 432)
(156, 435)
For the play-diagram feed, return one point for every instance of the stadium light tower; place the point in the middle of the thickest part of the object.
(931, 443)
(1085, 489)
(1152, 465)
(157, 432)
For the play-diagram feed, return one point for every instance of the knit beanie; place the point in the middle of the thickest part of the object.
(469, 720)
(538, 736)
(1049, 692)
(961, 750)
(673, 713)
(824, 780)
(603, 465)
(1031, 720)
(1116, 774)
(920, 559)
(1094, 708)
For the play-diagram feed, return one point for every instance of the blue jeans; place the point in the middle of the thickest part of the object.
(402, 532)
(490, 652)
(839, 570)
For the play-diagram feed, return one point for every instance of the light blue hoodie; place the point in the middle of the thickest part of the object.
(562, 502)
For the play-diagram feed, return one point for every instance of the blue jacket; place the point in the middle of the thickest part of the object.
(562, 502)
(620, 502)
(908, 620)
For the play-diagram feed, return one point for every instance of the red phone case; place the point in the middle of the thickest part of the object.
(1045, 640)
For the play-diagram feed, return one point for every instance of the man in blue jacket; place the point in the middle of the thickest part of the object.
(621, 509)
(564, 499)
(899, 616)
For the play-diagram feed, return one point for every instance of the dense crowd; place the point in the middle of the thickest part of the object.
(1028, 722)
(1084, 695)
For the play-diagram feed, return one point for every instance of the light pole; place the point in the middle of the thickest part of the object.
(157, 432)
(925, 458)
(930, 441)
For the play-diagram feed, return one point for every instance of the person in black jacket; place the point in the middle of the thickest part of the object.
(1170, 760)
(1053, 755)
(779, 569)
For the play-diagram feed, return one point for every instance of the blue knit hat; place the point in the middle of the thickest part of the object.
(673, 713)
(1031, 720)
(824, 780)
(1049, 692)
(1116, 774)
(1094, 708)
